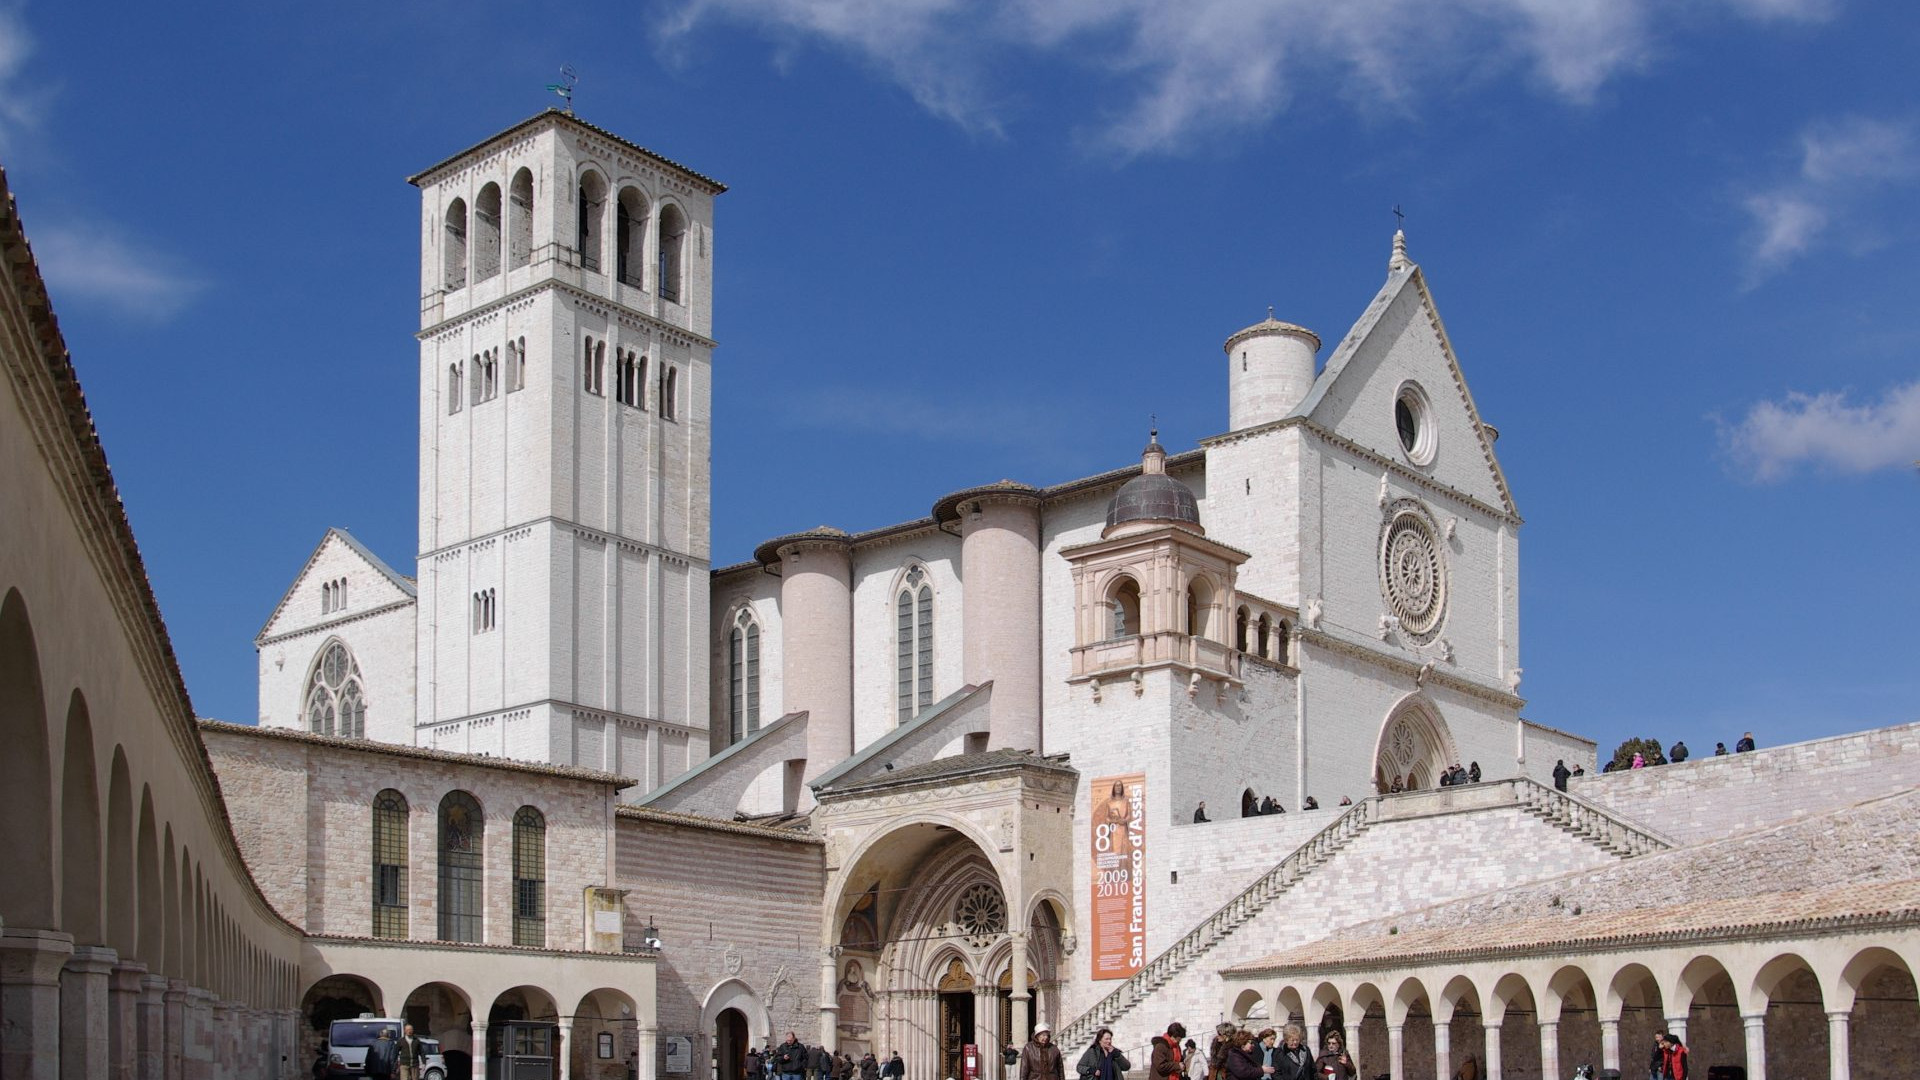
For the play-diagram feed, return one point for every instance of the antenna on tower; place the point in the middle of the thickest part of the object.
(565, 86)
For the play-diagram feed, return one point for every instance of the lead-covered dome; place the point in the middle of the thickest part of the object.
(1153, 496)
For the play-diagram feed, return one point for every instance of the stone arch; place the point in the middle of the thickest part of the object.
(151, 948)
(1411, 1009)
(1202, 598)
(916, 830)
(1121, 594)
(1415, 741)
(1877, 988)
(1244, 1005)
(1788, 990)
(1460, 1008)
(336, 996)
(122, 897)
(1289, 1007)
(1513, 1005)
(737, 995)
(611, 1013)
(1325, 1014)
(1569, 1000)
(81, 912)
(523, 1002)
(1707, 995)
(27, 891)
(1367, 1027)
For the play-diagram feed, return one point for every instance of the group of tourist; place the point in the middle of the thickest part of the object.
(792, 1059)
(1251, 807)
(1676, 754)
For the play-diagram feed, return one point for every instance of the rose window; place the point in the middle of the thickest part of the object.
(1411, 572)
(981, 914)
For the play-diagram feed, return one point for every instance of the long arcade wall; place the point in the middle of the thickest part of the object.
(133, 941)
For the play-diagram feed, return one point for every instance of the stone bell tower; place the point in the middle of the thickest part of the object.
(566, 287)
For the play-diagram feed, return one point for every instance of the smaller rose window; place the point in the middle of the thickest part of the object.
(981, 914)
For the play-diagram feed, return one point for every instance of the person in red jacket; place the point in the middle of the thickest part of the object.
(1673, 1057)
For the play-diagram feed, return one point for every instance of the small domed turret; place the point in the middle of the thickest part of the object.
(1153, 497)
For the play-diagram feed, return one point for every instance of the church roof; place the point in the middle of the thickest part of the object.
(1404, 273)
(551, 114)
(1892, 903)
(1153, 497)
(423, 753)
(957, 766)
(1271, 325)
(401, 581)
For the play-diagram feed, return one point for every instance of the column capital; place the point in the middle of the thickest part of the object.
(1759, 1021)
(92, 960)
(128, 976)
(33, 957)
(1839, 1016)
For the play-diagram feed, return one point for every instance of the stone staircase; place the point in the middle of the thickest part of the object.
(1576, 817)
(1582, 818)
(1216, 927)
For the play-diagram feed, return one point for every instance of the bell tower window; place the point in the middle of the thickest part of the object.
(454, 246)
(520, 219)
(593, 206)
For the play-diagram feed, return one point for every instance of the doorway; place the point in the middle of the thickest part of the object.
(730, 1045)
(956, 1030)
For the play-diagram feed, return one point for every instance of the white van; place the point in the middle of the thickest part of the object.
(347, 1042)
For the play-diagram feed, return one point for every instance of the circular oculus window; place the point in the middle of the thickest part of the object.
(1413, 573)
(1413, 421)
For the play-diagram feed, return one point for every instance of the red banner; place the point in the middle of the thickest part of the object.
(1119, 875)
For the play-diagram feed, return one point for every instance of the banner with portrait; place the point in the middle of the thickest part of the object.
(1119, 884)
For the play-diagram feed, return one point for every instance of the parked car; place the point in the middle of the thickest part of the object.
(433, 1066)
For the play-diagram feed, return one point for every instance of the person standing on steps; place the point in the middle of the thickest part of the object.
(1560, 774)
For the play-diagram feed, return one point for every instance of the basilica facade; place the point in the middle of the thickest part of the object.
(921, 788)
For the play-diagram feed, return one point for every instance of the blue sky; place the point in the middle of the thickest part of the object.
(964, 241)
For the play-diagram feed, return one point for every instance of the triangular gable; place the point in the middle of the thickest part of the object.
(339, 540)
(1392, 327)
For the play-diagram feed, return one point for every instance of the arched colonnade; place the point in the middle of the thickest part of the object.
(1842, 1007)
(605, 1031)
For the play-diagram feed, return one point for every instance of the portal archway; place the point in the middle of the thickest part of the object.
(1414, 747)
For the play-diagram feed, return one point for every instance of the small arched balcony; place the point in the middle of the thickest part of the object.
(1123, 604)
(592, 206)
(630, 237)
(520, 219)
(673, 235)
(453, 246)
(486, 232)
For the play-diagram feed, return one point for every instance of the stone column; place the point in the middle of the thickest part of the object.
(649, 1054)
(123, 1019)
(1021, 994)
(1610, 1044)
(1493, 1051)
(1396, 1047)
(1549, 1048)
(30, 966)
(151, 1063)
(816, 643)
(85, 987)
(199, 1041)
(1756, 1046)
(1000, 638)
(829, 1002)
(480, 1051)
(986, 1019)
(1677, 1027)
(1839, 1046)
(1442, 1049)
(173, 1026)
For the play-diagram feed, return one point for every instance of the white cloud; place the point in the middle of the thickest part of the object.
(1203, 66)
(18, 107)
(1828, 431)
(1844, 164)
(92, 263)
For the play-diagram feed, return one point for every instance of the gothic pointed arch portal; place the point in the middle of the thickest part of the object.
(925, 947)
(1415, 746)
